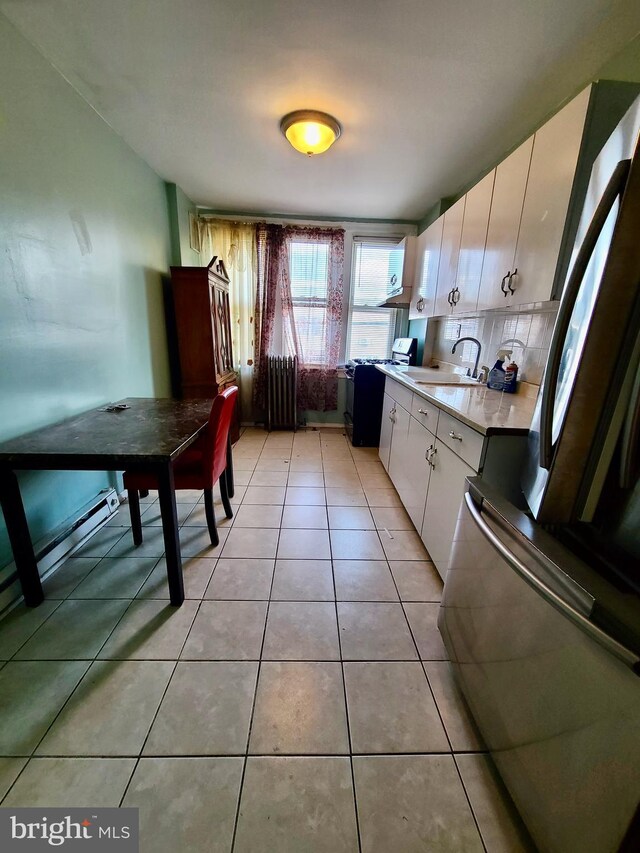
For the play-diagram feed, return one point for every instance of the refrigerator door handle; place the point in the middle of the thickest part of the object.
(540, 587)
(615, 187)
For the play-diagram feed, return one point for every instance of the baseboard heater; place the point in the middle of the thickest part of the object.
(282, 383)
(54, 548)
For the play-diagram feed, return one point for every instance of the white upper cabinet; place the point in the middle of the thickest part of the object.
(408, 244)
(426, 273)
(556, 148)
(534, 196)
(449, 254)
(472, 244)
(504, 224)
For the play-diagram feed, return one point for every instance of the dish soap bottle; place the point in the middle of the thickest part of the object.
(510, 377)
(497, 372)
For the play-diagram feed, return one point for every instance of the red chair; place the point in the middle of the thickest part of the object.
(199, 467)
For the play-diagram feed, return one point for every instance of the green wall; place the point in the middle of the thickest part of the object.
(84, 243)
(179, 209)
(624, 65)
(331, 417)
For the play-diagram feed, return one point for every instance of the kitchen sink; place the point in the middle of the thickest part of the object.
(431, 376)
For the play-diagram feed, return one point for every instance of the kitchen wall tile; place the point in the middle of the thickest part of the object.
(528, 334)
(537, 330)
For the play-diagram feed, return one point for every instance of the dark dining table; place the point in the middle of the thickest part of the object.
(148, 435)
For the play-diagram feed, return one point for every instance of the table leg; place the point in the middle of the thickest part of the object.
(20, 538)
(167, 495)
(229, 471)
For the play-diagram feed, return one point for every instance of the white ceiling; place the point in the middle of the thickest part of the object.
(429, 92)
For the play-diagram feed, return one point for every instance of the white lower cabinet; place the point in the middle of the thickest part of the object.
(420, 443)
(429, 453)
(386, 430)
(398, 457)
(427, 474)
(444, 495)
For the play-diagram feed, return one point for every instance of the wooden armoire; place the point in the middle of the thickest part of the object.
(203, 331)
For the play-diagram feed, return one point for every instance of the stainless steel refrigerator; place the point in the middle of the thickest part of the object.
(541, 604)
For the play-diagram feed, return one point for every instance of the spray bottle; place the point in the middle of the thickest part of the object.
(497, 373)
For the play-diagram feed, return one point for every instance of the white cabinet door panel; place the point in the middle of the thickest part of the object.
(427, 263)
(553, 164)
(504, 224)
(449, 254)
(386, 430)
(414, 494)
(398, 462)
(474, 238)
(446, 488)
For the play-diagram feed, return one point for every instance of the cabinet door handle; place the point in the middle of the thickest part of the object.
(453, 295)
(502, 284)
(434, 450)
(510, 279)
(455, 436)
(392, 415)
(450, 297)
(423, 412)
(420, 304)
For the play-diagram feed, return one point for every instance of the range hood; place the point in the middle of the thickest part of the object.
(401, 296)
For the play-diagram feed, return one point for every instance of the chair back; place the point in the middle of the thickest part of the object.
(218, 431)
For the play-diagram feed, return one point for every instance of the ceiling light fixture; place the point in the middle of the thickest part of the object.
(310, 131)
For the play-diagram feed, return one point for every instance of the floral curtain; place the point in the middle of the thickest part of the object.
(311, 286)
(235, 243)
(301, 268)
(269, 239)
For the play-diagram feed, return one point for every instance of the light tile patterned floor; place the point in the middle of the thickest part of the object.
(299, 700)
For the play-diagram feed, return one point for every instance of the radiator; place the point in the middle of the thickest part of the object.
(282, 379)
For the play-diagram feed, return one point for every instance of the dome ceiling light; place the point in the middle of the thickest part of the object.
(310, 131)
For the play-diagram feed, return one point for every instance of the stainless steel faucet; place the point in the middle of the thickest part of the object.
(473, 375)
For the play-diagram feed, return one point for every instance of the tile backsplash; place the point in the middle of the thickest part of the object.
(527, 334)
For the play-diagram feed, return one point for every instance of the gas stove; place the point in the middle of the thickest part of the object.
(365, 365)
(365, 392)
(354, 361)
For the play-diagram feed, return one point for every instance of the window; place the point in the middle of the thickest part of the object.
(375, 273)
(308, 277)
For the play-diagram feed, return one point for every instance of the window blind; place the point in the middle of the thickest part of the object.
(308, 276)
(372, 332)
(376, 274)
(377, 271)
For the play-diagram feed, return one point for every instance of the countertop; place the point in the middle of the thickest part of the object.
(487, 411)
